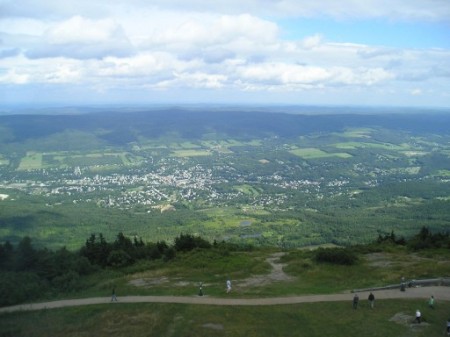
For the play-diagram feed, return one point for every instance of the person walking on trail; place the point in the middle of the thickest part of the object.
(431, 302)
(113, 295)
(418, 316)
(355, 301)
(228, 286)
(371, 299)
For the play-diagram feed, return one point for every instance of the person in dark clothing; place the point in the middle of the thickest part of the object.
(113, 295)
(371, 299)
(355, 301)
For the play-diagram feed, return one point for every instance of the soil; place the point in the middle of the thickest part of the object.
(277, 274)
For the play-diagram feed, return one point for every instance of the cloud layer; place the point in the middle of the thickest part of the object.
(223, 48)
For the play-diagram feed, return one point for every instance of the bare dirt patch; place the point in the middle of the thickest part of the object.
(213, 326)
(149, 282)
(387, 260)
(407, 320)
(276, 275)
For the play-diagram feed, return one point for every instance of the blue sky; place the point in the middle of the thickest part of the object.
(376, 32)
(324, 52)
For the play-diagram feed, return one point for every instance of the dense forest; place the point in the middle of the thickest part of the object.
(113, 128)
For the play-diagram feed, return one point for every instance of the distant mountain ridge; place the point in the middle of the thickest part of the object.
(118, 129)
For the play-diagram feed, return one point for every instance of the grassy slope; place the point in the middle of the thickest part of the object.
(307, 320)
(316, 319)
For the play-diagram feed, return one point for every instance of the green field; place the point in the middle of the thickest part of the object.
(357, 133)
(314, 153)
(32, 161)
(3, 160)
(365, 145)
(37, 161)
(191, 153)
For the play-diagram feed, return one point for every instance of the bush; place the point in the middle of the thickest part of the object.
(17, 287)
(187, 242)
(341, 256)
(68, 282)
(119, 258)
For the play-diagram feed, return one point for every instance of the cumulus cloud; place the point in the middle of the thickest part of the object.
(433, 10)
(9, 52)
(221, 45)
(82, 38)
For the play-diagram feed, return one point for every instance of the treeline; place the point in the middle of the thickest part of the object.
(124, 251)
(425, 239)
(28, 273)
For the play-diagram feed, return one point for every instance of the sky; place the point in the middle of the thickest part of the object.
(295, 52)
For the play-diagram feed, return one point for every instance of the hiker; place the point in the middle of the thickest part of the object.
(113, 295)
(355, 301)
(431, 302)
(200, 290)
(228, 286)
(403, 285)
(418, 316)
(448, 326)
(371, 299)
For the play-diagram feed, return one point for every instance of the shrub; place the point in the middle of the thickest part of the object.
(341, 256)
(187, 242)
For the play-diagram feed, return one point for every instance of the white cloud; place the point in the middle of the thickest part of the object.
(229, 45)
(82, 38)
(12, 76)
(433, 10)
(416, 92)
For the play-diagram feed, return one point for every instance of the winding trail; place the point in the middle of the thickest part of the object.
(440, 293)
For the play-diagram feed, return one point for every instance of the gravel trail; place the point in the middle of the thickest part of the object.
(440, 293)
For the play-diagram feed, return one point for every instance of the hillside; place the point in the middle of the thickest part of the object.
(273, 293)
(115, 128)
(262, 177)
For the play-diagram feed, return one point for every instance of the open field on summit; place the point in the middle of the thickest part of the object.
(262, 304)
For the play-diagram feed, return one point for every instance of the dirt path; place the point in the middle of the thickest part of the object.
(440, 293)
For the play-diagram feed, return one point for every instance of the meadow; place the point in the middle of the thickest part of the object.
(377, 265)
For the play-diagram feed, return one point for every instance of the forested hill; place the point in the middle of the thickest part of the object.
(120, 128)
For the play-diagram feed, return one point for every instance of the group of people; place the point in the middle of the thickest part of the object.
(371, 300)
(431, 306)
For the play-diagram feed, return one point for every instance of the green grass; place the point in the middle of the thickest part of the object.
(357, 133)
(364, 145)
(443, 173)
(212, 267)
(314, 153)
(32, 161)
(191, 153)
(63, 159)
(335, 319)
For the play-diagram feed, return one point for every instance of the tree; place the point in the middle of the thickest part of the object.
(96, 250)
(26, 255)
(6, 256)
(187, 242)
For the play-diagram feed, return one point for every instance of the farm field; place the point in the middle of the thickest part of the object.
(333, 181)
